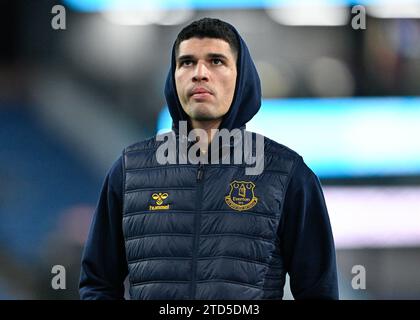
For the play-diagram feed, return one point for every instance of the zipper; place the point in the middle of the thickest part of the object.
(200, 172)
(197, 223)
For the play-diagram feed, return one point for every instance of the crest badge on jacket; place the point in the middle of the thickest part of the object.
(241, 196)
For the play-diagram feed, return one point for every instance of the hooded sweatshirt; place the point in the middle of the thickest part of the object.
(225, 251)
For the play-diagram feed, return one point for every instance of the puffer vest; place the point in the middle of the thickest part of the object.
(204, 231)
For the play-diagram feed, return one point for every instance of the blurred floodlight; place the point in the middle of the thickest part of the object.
(276, 81)
(134, 12)
(176, 17)
(147, 16)
(394, 9)
(329, 77)
(134, 16)
(107, 50)
(310, 14)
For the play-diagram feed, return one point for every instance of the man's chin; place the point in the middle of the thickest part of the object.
(204, 115)
(204, 118)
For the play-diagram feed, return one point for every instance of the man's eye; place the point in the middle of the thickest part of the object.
(217, 61)
(186, 63)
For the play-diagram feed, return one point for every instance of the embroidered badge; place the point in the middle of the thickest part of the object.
(159, 198)
(241, 196)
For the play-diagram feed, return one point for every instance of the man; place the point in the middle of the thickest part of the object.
(210, 231)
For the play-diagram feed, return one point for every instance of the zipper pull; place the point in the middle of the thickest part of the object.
(200, 172)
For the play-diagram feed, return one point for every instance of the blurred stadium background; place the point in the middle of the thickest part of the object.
(347, 100)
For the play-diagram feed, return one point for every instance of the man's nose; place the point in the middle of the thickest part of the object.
(200, 72)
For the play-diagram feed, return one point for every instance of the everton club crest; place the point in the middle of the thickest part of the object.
(241, 196)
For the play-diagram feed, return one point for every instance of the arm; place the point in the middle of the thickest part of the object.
(104, 265)
(307, 239)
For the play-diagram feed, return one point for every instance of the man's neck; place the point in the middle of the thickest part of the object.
(207, 126)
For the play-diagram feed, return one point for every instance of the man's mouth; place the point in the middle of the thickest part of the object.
(199, 93)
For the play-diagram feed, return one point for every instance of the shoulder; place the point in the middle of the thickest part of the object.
(149, 143)
(275, 147)
(278, 157)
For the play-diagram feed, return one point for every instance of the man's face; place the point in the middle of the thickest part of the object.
(205, 77)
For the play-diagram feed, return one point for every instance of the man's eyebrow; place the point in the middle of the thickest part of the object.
(217, 55)
(185, 57)
(209, 55)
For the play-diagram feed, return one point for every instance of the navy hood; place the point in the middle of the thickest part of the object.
(246, 100)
